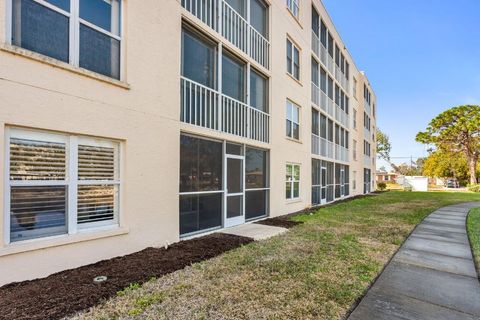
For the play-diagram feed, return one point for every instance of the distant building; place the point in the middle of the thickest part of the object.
(383, 176)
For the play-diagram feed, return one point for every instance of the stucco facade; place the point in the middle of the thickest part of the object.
(142, 111)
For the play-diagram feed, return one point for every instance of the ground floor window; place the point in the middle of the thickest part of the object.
(292, 190)
(221, 184)
(59, 183)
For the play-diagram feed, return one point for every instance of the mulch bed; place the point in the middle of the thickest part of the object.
(68, 292)
(279, 222)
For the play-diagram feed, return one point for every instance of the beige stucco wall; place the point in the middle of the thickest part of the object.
(144, 114)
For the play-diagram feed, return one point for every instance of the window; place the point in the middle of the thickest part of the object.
(293, 121)
(354, 150)
(293, 6)
(233, 77)
(258, 91)
(323, 34)
(258, 17)
(323, 80)
(201, 189)
(60, 183)
(354, 88)
(238, 5)
(315, 74)
(315, 22)
(315, 123)
(354, 180)
(198, 59)
(92, 43)
(366, 148)
(330, 45)
(292, 190)
(355, 119)
(293, 60)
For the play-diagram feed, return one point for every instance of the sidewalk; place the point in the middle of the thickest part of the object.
(431, 277)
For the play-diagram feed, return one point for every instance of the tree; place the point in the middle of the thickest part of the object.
(444, 164)
(384, 148)
(456, 130)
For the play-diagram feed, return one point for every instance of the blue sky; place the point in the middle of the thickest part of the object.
(421, 56)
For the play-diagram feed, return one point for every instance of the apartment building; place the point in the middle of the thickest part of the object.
(129, 124)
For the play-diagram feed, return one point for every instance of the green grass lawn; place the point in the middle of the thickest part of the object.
(317, 270)
(473, 227)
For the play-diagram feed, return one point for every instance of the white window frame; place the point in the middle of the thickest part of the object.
(294, 107)
(292, 65)
(71, 179)
(294, 7)
(291, 180)
(74, 31)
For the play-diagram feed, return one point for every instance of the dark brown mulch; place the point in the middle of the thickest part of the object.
(70, 291)
(279, 222)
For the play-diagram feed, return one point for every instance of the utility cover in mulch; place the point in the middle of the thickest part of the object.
(65, 293)
(279, 222)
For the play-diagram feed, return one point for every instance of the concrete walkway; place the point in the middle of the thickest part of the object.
(432, 277)
(255, 231)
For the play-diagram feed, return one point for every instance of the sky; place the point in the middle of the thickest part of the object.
(421, 57)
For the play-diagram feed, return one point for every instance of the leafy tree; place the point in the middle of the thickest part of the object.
(444, 164)
(384, 147)
(456, 130)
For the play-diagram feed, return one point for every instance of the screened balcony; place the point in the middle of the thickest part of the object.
(243, 23)
(205, 107)
(322, 147)
(213, 90)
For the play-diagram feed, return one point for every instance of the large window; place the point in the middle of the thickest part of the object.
(256, 180)
(258, 91)
(201, 188)
(293, 60)
(89, 37)
(293, 120)
(292, 190)
(198, 59)
(294, 7)
(233, 77)
(258, 17)
(59, 183)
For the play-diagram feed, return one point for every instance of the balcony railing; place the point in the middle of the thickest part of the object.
(319, 50)
(367, 161)
(341, 153)
(367, 134)
(320, 99)
(207, 108)
(232, 26)
(341, 116)
(322, 147)
(367, 107)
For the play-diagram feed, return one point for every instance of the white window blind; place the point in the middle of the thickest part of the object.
(49, 189)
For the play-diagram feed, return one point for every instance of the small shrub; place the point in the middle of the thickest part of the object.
(474, 187)
(381, 186)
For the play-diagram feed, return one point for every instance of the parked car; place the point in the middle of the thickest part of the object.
(452, 183)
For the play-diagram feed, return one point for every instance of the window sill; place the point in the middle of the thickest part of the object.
(294, 140)
(297, 19)
(295, 79)
(293, 201)
(61, 65)
(56, 241)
